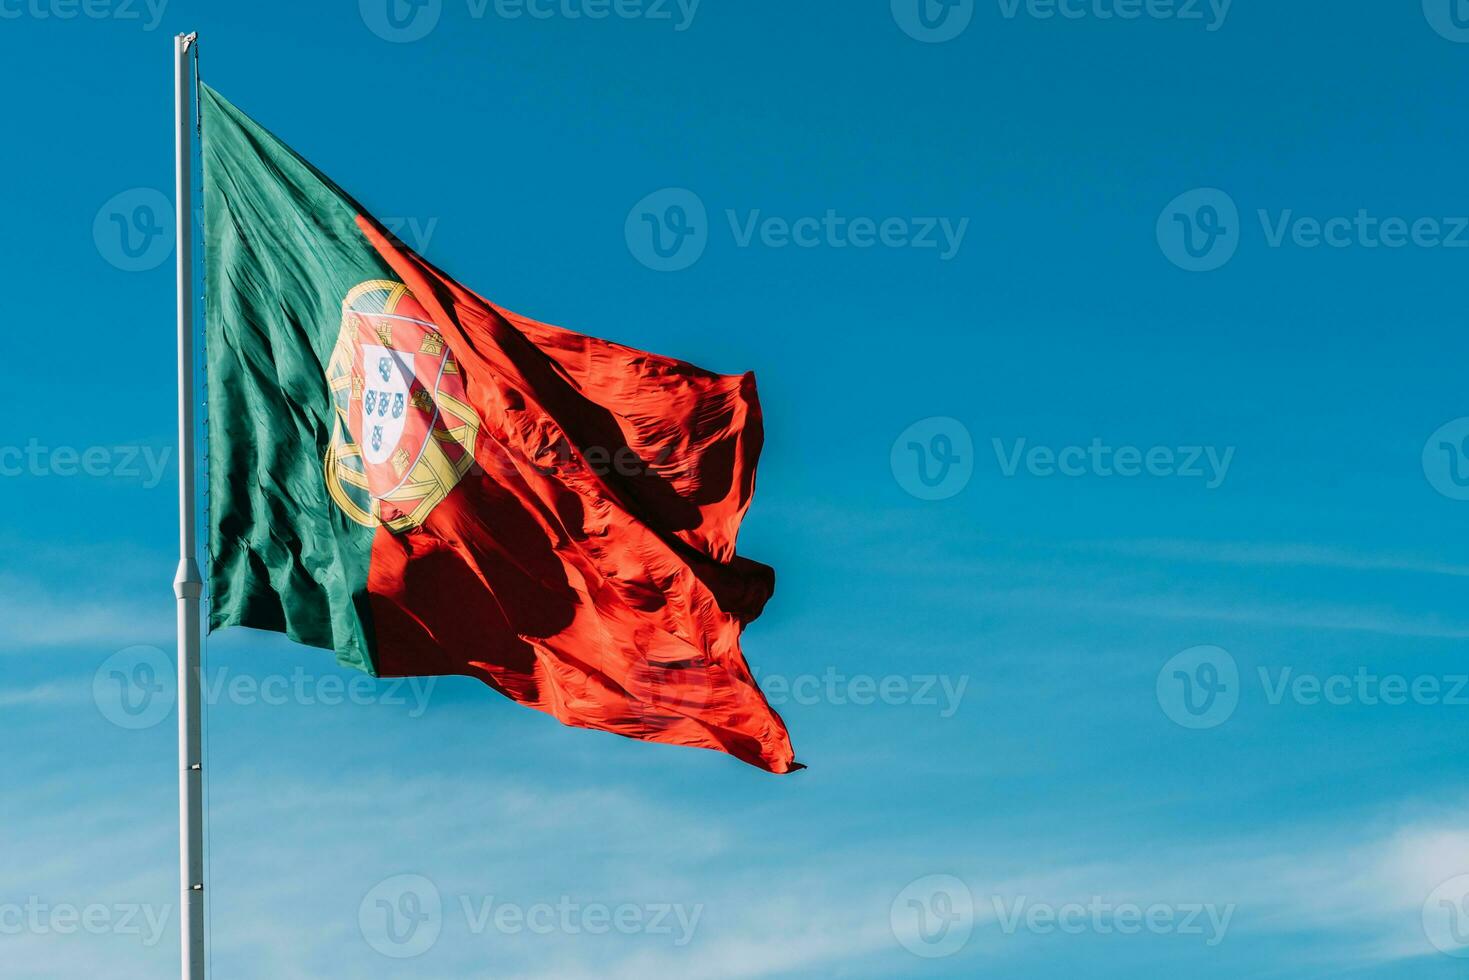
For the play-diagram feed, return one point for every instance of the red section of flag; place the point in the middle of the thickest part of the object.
(586, 566)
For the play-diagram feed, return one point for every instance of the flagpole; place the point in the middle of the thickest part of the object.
(188, 586)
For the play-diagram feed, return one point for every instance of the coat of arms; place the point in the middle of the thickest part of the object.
(405, 434)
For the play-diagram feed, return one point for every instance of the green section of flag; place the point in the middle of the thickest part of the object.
(282, 250)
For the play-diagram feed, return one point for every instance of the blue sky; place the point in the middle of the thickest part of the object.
(1112, 361)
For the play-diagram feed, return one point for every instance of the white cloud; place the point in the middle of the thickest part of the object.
(1361, 881)
(44, 695)
(1298, 615)
(1268, 554)
(81, 609)
(293, 858)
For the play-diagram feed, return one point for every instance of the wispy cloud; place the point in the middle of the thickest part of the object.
(1274, 554)
(1149, 579)
(41, 618)
(1297, 615)
(1360, 881)
(291, 866)
(85, 595)
(42, 695)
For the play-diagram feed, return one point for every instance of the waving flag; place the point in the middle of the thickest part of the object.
(427, 484)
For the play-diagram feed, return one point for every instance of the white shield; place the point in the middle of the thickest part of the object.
(388, 377)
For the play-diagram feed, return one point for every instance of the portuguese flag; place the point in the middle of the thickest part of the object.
(427, 484)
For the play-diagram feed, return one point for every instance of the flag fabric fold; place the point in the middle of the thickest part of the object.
(428, 484)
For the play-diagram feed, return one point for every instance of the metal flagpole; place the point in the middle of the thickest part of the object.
(188, 586)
